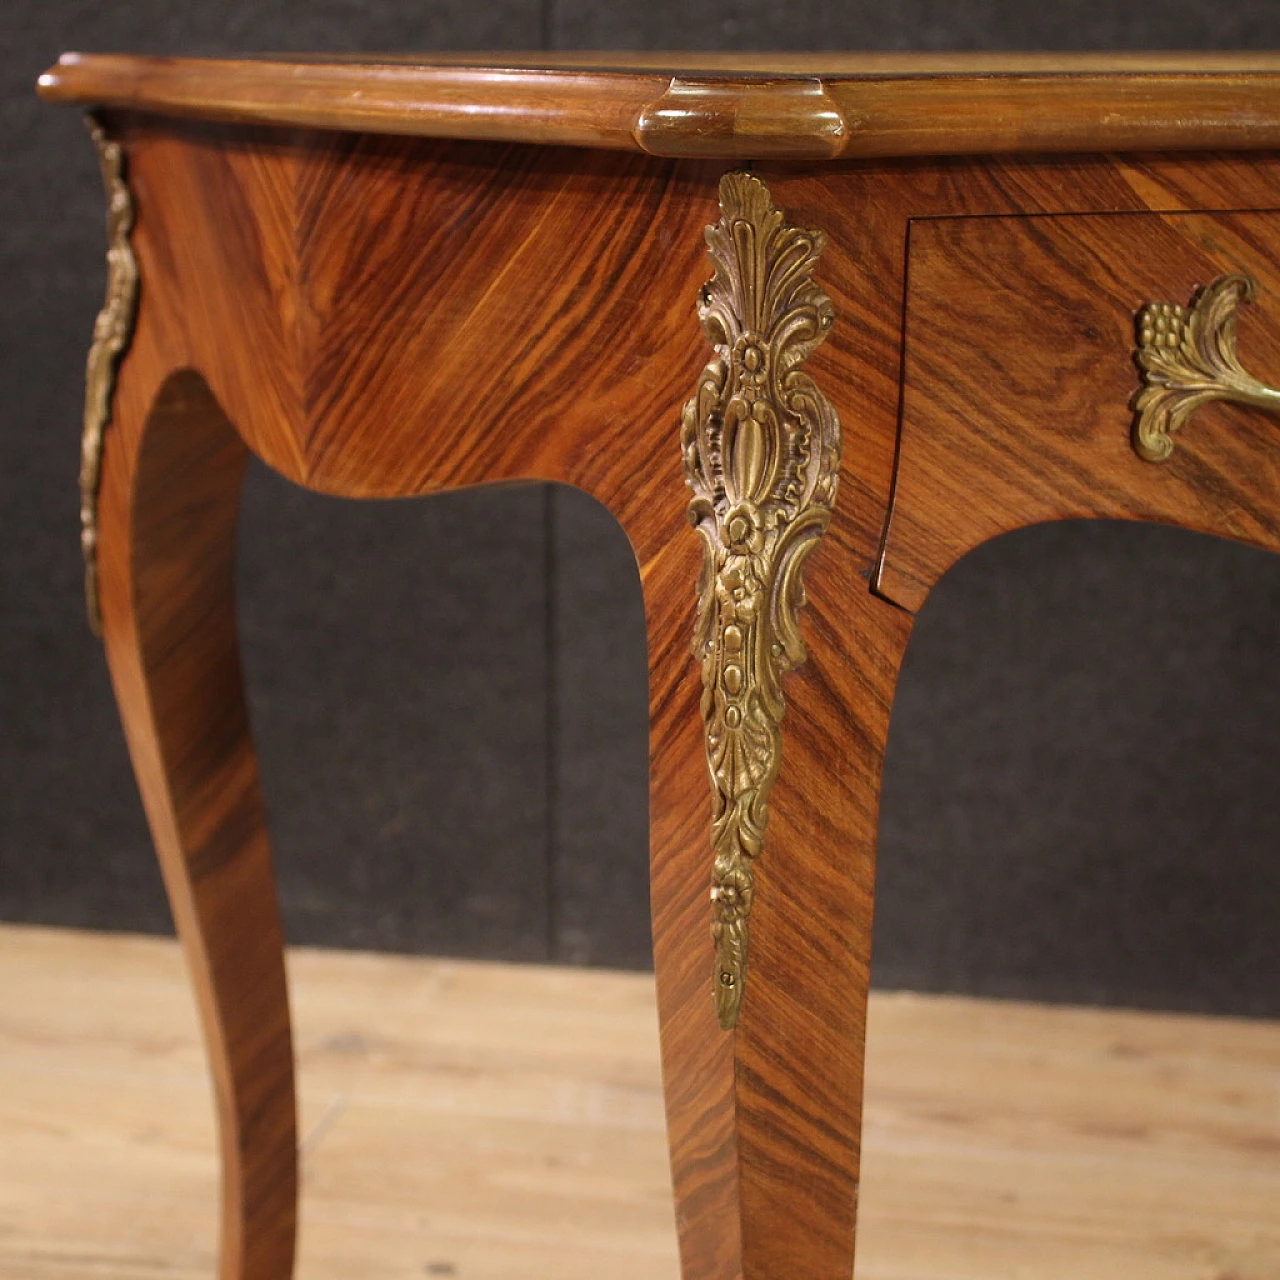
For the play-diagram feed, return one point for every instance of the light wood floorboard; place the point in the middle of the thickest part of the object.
(489, 1122)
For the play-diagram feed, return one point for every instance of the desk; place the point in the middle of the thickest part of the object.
(946, 297)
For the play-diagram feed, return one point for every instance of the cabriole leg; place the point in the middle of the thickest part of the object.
(765, 776)
(169, 499)
(764, 1121)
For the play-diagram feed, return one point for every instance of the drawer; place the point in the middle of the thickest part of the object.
(1019, 381)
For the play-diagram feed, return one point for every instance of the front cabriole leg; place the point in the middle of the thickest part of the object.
(763, 1024)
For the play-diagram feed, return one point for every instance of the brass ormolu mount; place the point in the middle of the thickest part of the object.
(1188, 357)
(111, 335)
(762, 456)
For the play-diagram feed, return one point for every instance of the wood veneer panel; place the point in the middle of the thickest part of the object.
(1029, 418)
(493, 312)
(214, 241)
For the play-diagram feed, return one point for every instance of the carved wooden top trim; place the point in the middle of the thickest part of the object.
(817, 106)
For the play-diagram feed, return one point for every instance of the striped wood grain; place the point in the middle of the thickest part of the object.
(1033, 421)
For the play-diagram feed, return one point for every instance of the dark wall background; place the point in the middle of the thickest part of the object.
(1081, 800)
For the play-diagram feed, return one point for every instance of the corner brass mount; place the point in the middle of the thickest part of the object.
(761, 450)
(111, 335)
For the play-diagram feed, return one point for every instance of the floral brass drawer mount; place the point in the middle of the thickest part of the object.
(762, 456)
(1188, 357)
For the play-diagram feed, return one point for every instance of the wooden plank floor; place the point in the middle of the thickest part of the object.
(496, 1123)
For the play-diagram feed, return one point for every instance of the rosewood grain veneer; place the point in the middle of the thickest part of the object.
(921, 317)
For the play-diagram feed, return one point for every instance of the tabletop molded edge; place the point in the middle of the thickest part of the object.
(894, 106)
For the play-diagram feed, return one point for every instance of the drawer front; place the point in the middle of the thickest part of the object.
(1020, 381)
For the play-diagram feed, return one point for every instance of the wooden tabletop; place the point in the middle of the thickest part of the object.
(806, 106)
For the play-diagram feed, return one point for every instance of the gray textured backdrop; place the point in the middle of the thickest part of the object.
(1081, 799)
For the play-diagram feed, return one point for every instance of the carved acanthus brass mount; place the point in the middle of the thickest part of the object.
(111, 335)
(1188, 357)
(762, 456)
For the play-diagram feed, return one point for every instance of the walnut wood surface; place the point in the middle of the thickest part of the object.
(388, 316)
(1030, 417)
(818, 106)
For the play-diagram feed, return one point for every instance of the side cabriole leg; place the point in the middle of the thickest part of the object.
(167, 515)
